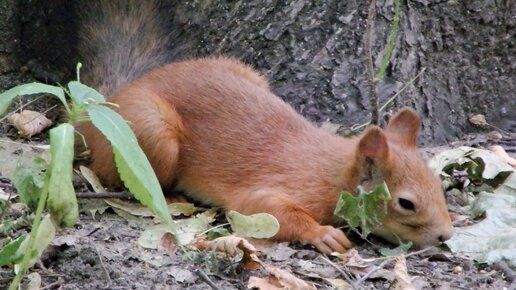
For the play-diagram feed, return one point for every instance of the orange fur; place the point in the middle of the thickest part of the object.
(212, 128)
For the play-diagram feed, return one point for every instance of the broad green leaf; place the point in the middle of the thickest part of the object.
(28, 89)
(29, 182)
(401, 249)
(260, 225)
(187, 229)
(366, 210)
(491, 240)
(45, 235)
(62, 201)
(133, 166)
(10, 254)
(83, 94)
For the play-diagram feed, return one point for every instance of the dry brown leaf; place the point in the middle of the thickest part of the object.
(498, 150)
(167, 243)
(288, 280)
(263, 283)
(403, 280)
(232, 246)
(351, 258)
(34, 281)
(494, 136)
(479, 120)
(29, 123)
(92, 179)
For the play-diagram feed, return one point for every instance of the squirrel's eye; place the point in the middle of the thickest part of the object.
(406, 204)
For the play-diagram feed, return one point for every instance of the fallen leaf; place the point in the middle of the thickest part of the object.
(92, 179)
(288, 280)
(338, 284)
(187, 229)
(181, 274)
(7, 196)
(167, 243)
(29, 122)
(403, 280)
(352, 258)
(34, 281)
(263, 283)
(498, 150)
(494, 136)
(45, 235)
(232, 246)
(260, 225)
(479, 120)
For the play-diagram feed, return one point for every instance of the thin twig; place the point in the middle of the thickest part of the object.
(344, 274)
(206, 279)
(371, 272)
(368, 59)
(89, 194)
(110, 282)
(391, 99)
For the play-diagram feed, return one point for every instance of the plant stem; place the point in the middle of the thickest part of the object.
(35, 225)
(392, 37)
(368, 59)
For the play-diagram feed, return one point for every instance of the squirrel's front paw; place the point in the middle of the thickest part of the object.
(329, 239)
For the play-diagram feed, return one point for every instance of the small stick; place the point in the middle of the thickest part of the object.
(110, 282)
(344, 274)
(89, 194)
(509, 273)
(206, 279)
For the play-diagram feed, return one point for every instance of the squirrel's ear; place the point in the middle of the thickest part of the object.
(405, 125)
(373, 144)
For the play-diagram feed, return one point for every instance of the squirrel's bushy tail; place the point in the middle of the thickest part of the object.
(119, 40)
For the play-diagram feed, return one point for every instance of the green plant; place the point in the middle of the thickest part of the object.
(49, 184)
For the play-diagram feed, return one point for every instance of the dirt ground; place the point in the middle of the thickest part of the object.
(101, 252)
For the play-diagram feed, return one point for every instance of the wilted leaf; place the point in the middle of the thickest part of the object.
(338, 284)
(45, 235)
(366, 210)
(498, 150)
(182, 208)
(479, 120)
(134, 168)
(186, 230)
(92, 179)
(29, 182)
(352, 258)
(167, 243)
(29, 123)
(62, 201)
(132, 208)
(403, 281)
(264, 283)
(10, 254)
(287, 280)
(491, 240)
(34, 281)
(260, 225)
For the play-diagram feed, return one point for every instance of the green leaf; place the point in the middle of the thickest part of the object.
(491, 240)
(9, 253)
(45, 235)
(28, 89)
(29, 182)
(366, 210)
(217, 233)
(260, 225)
(401, 249)
(62, 201)
(83, 94)
(133, 166)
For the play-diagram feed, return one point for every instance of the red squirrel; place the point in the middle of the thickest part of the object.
(211, 127)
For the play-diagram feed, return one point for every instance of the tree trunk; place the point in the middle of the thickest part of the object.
(312, 53)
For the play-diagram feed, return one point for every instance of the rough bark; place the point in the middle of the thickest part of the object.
(311, 51)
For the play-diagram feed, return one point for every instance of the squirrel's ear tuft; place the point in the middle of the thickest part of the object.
(373, 144)
(405, 125)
